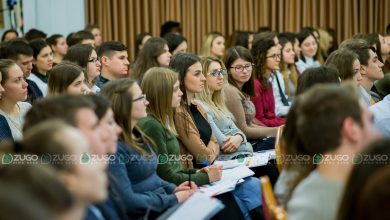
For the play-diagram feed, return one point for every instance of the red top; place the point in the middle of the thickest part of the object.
(265, 106)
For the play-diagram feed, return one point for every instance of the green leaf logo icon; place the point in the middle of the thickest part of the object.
(357, 159)
(317, 158)
(7, 158)
(162, 159)
(45, 159)
(84, 158)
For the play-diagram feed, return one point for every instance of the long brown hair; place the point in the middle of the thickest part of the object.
(121, 96)
(158, 85)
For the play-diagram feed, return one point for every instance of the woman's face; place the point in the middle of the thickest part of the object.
(215, 77)
(273, 58)
(44, 60)
(15, 87)
(176, 96)
(309, 46)
(88, 181)
(182, 48)
(385, 46)
(93, 66)
(98, 36)
(288, 53)
(218, 46)
(164, 58)
(61, 47)
(77, 87)
(112, 130)
(194, 79)
(357, 77)
(241, 71)
(138, 110)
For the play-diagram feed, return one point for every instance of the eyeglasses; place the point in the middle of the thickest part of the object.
(240, 68)
(142, 97)
(276, 56)
(218, 73)
(94, 60)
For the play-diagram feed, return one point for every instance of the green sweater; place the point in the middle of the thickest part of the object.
(169, 164)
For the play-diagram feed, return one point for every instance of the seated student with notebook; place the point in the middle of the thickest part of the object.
(136, 160)
(195, 134)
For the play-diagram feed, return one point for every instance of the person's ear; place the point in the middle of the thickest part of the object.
(351, 130)
(104, 60)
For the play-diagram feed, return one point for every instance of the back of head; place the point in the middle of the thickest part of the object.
(79, 54)
(12, 198)
(61, 76)
(321, 115)
(14, 48)
(79, 36)
(170, 27)
(33, 34)
(109, 47)
(375, 157)
(342, 60)
(62, 107)
(40, 181)
(316, 75)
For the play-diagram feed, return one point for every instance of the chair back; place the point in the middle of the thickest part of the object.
(272, 211)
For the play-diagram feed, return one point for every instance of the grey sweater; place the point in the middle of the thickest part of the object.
(315, 198)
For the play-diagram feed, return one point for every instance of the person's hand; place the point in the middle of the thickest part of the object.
(214, 172)
(232, 143)
(183, 195)
(186, 186)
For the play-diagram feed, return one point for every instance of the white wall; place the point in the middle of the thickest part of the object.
(54, 16)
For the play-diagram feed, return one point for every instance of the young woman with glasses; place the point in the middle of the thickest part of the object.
(86, 57)
(231, 140)
(239, 63)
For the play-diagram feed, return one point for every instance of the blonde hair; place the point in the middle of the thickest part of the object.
(158, 84)
(208, 43)
(323, 46)
(216, 102)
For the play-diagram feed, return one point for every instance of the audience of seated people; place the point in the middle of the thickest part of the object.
(126, 150)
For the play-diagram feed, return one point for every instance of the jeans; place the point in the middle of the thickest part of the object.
(248, 195)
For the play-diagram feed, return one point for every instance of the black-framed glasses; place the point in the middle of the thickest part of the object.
(240, 68)
(94, 59)
(275, 56)
(142, 97)
(218, 73)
